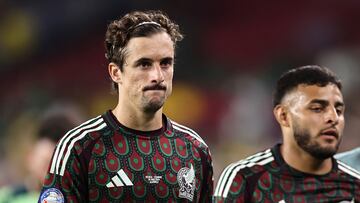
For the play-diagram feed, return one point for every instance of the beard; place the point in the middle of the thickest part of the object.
(153, 106)
(310, 145)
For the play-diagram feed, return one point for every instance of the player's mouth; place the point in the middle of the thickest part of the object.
(330, 133)
(154, 87)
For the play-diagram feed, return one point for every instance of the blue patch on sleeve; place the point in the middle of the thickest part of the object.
(52, 195)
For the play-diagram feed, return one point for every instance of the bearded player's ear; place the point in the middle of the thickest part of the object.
(281, 114)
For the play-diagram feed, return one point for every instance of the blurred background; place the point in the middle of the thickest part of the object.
(52, 54)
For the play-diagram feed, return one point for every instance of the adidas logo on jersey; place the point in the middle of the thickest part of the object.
(120, 180)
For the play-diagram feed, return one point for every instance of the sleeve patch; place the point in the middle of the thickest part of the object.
(52, 195)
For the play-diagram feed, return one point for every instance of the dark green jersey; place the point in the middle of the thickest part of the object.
(265, 177)
(103, 161)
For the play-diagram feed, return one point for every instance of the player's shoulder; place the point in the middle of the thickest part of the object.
(255, 161)
(80, 132)
(74, 142)
(243, 169)
(189, 133)
(348, 170)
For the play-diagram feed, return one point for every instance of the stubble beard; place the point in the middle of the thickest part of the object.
(153, 106)
(310, 145)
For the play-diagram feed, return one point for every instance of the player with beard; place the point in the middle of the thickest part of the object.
(309, 107)
(133, 153)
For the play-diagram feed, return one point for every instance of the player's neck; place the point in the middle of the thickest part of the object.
(138, 120)
(303, 161)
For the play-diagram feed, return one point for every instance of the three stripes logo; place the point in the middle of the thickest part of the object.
(67, 142)
(120, 180)
(188, 131)
(229, 173)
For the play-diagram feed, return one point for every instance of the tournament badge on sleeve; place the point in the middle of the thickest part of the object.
(186, 180)
(52, 195)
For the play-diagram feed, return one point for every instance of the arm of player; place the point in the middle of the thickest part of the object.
(208, 179)
(68, 183)
(231, 187)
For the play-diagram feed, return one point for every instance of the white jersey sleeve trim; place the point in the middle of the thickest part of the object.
(188, 131)
(230, 171)
(64, 142)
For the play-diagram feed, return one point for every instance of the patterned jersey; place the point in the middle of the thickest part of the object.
(103, 161)
(265, 177)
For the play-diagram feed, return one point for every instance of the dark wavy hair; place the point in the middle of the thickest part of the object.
(308, 75)
(119, 32)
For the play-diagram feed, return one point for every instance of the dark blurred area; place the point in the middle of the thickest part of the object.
(226, 66)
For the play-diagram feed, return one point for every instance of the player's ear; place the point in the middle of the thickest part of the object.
(281, 114)
(115, 72)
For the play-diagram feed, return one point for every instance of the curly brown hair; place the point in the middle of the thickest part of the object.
(119, 32)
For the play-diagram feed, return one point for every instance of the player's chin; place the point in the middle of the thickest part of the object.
(330, 148)
(322, 152)
(154, 105)
(157, 100)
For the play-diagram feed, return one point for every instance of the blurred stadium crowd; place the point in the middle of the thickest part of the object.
(51, 53)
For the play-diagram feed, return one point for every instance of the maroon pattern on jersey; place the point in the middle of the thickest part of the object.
(265, 177)
(108, 162)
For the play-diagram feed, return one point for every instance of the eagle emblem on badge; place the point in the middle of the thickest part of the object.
(186, 180)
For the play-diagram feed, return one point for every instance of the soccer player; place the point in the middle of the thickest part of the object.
(134, 153)
(309, 107)
(352, 158)
(52, 126)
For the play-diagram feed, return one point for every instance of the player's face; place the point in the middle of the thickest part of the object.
(318, 119)
(39, 158)
(148, 71)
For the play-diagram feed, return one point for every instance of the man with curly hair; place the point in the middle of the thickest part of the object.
(134, 152)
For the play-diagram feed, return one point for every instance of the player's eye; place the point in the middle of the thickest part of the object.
(144, 64)
(339, 111)
(316, 109)
(165, 63)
